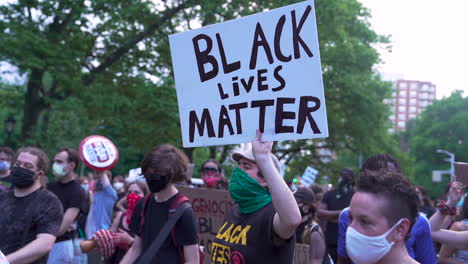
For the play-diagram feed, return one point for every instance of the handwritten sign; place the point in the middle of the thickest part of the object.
(310, 174)
(257, 72)
(210, 208)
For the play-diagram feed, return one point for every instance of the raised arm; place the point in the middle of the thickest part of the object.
(454, 239)
(287, 216)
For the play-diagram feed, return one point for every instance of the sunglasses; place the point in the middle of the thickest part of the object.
(209, 170)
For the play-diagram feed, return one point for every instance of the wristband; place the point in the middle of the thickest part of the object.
(445, 209)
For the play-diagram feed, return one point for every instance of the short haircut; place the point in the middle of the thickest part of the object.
(8, 151)
(401, 198)
(166, 160)
(72, 156)
(381, 161)
(42, 158)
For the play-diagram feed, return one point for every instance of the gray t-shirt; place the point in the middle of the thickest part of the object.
(23, 218)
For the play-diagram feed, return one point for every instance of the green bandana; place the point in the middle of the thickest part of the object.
(247, 192)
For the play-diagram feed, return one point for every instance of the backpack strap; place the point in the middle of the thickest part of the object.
(180, 199)
(143, 211)
(174, 215)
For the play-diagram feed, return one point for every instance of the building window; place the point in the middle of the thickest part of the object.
(401, 108)
(402, 85)
(402, 93)
(401, 124)
(413, 101)
(413, 85)
(413, 93)
(412, 109)
(402, 101)
(412, 115)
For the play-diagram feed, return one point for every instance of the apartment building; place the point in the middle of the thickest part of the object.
(409, 98)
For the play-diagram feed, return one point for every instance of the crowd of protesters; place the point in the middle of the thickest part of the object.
(372, 216)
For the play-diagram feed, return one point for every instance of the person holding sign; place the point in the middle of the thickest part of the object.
(261, 227)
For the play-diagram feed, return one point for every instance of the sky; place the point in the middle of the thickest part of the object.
(429, 41)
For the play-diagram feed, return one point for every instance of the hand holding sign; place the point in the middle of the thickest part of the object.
(261, 149)
(98, 153)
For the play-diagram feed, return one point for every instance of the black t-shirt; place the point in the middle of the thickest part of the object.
(5, 183)
(335, 202)
(23, 218)
(155, 217)
(249, 239)
(71, 195)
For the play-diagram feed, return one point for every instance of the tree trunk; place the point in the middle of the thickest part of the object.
(33, 104)
(212, 152)
(189, 153)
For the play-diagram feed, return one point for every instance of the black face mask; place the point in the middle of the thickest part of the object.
(21, 177)
(156, 183)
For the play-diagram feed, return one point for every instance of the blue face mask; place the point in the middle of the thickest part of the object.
(85, 187)
(4, 165)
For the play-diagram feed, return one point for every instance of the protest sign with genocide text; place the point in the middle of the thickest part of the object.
(260, 72)
(210, 208)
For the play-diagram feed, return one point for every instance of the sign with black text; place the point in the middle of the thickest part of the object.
(260, 72)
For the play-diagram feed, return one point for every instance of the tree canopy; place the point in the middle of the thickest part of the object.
(104, 67)
(441, 126)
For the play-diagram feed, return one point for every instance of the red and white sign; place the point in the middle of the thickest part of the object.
(98, 153)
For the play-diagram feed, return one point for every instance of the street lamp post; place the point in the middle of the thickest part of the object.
(10, 123)
(451, 160)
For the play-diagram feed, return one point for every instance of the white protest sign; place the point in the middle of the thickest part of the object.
(310, 174)
(260, 72)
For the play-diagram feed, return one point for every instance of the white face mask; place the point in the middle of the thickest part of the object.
(364, 249)
(59, 170)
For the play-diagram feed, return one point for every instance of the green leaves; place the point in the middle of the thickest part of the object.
(104, 66)
(442, 125)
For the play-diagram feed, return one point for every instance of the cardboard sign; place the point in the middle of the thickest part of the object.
(310, 174)
(260, 72)
(210, 208)
(461, 172)
(98, 153)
